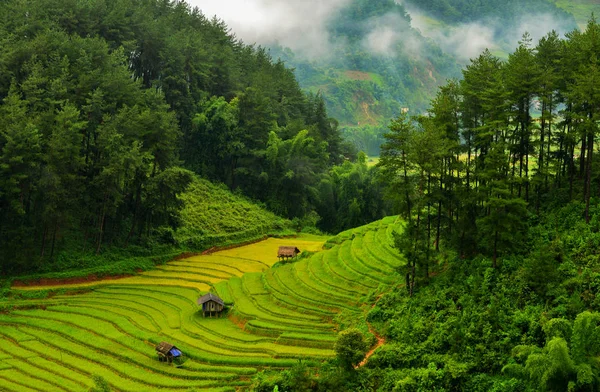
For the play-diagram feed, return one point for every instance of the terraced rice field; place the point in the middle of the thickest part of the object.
(276, 316)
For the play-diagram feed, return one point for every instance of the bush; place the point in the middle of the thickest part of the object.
(350, 348)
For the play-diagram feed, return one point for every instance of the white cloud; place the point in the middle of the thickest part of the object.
(468, 40)
(297, 24)
(302, 26)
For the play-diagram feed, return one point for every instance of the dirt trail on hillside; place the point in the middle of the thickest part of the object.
(380, 339)
(380, 342)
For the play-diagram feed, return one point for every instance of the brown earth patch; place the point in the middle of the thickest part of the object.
(240, 322)
(357, 75)
(380, 339)
(380, 342)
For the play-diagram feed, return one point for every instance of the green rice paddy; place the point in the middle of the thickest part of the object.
(276, 316)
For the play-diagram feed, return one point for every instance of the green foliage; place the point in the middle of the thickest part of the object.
(563, 364)
(100, 385)
(352, 195)
(466, 11)
(350, 348)
(211, 215)
(364, 85)
(107, 113)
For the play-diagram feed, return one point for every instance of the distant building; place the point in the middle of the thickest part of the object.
(287, 252)
(211, 303)
(169, 353)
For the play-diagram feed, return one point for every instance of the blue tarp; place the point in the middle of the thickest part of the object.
(175, 352)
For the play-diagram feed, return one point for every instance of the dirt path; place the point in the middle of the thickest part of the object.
(380, 342)
(380, 339)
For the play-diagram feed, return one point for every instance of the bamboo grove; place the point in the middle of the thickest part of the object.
(509, 140)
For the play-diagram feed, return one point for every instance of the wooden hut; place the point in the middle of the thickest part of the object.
(287, 252)
(169, 353)
(211, 303)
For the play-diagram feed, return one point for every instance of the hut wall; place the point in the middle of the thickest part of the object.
(211, 307)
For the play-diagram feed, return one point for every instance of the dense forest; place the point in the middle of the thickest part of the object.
(499, 188)
(110, 108)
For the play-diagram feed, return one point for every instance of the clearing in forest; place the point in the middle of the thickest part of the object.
(277, 315)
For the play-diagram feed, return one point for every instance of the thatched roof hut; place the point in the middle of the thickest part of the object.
(168, 352)
(286, 252)
(211, 303)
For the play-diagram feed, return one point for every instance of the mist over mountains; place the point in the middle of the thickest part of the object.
(304, 26)
(372, 60)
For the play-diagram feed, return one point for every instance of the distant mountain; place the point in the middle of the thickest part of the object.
(462, 11)
(385, 57)
(377, 67)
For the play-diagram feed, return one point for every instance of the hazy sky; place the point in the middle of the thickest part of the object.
(298, 24)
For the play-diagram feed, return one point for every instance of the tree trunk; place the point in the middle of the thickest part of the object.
(468, 162)
(571, 172)
(54, 238)
(588, 177)
(45, 233)
(495, 257)
(407, 194)
(582, 157)
(138, 198)
(439, 212)
(428, 226)
(547, 171)
(102, 219)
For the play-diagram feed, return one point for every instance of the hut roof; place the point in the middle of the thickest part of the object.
(210, 297)
(288, 251)
(164, 347)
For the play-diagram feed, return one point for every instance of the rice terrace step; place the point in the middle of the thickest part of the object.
(275, 313)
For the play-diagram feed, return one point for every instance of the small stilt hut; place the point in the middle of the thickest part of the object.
(169, 353)
(287, 252)
(211, 303)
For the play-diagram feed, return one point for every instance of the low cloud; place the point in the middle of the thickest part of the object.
(302, 26)
(388, 34)
(537, 26)
(384, 33)
(465, 41)
(468, 40)
(298, 24)
(381, 40)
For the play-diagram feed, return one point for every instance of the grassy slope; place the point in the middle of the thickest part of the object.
(277, 316)
(213, 216)
(581, 9)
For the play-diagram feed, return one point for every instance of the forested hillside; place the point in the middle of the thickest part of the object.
(389, 57)
(378, 66)
(502, 212)
(453, 11)
(134, 130)
(500, 289)
(109, 109)
(580, 9)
